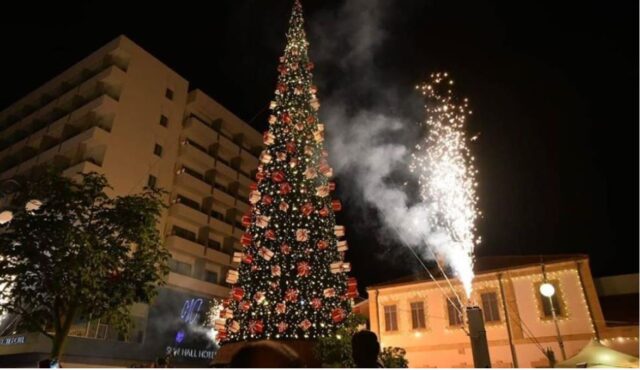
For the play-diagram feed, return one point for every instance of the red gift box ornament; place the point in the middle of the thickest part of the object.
(291, 147)
(281, 308)
(272, 119)
(246, 220)
(253, 186)
(259, 297)
(248, 259)
(310, 120)
(226, 314)
(302, 235)
(322, 244)
(286, 118)
(246, 239)
(281, 88)
(270, 234)
(222, 335)
(310, 66)
(282, 327)
(265, 157)
(305, 324)
(329, 292)
(284, 206)
(306, 209)
(234, 326)
(310, 173)
(332, 186)
(267, 199)
(277, 176)
(304, 269)
(262, 221)
(256, 326)
(322, 191)
(265, 253)
(285, 188)
(268, 138)
(276, 270)
(318, 136)
(285, 248)
(291, 295)
(316, 303)
(282, 69)
(245, 305)
(337, 315)
(326, 170)
(324, 212)
(254, 197)
(237, 293)
(336, 205)
(259, 176)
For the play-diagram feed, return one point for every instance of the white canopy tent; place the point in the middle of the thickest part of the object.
(595, 354)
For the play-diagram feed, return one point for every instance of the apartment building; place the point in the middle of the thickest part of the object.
(422, 316)
(123, 113)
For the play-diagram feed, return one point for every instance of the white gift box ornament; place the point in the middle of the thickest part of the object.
(237, 257)
(339, 231)
(342, 246)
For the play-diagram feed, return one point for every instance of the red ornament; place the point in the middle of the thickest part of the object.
(310, 120)
(337, 315)
(282, 88)
(256, 326)
(329, 292)
(286, 118)
(325, 169)
(302, 235)
(284, 207)
(222, 335)
(277, 176)
(270, 234)
(291, 295)
(332, 186)
(336, 205)
(285, 188)
(282, 69)
(245, 305)
(291, 147)
(259, 176)
(253, 186)
(268, 138)
(324, 212)
(276, 270)
(316, 303)
(305, 324)
(304, 269)
(246, 220)
(322, 245)
(281, 308)
(246, 239)
(237, 293)
(310, 66)
(285, 248)
(307, 209)
(267, 199)
(248, 259)
(282, 327)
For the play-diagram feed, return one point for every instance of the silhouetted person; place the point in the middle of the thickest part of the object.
(47, 362)
(161, 362)
(265, 354)
(365, 349)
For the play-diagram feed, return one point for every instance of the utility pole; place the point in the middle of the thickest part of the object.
(478, 336)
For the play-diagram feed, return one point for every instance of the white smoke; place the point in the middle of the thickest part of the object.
(370, 142)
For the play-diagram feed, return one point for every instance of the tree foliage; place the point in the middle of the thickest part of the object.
(394, 357)
(81, 255)
(335, 350)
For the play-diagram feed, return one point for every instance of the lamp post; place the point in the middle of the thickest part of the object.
(548, 290)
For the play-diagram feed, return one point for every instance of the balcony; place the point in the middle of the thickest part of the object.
(198, 286)
(177, 243)
(220, 226)
(187, 213)
(197, 124)
(197, 155)
(189, 182)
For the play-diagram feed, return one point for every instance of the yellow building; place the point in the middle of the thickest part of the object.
(416, 315)
(123, 113)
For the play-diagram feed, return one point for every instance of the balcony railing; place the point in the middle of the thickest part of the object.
(215, 126)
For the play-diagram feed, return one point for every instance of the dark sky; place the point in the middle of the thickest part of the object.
(553, 86)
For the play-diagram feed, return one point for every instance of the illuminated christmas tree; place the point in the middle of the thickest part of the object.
(291, 281)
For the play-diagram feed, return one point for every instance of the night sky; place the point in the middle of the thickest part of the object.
(553, 86)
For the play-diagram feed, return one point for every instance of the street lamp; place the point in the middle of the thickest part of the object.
(548, 290)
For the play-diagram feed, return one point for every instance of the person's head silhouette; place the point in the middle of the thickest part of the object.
(365, 349)
(265, 353)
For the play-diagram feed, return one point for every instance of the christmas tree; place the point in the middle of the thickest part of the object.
(291, 281)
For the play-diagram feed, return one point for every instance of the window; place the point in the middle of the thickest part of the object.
(390, 318)
(179, 267)
(490, 307)
(217, 215)
(157, 150)
(183, 233)
(168, 94)
(213, 244)
(188, 202)
(164, 120)
(152, 181)
(454, 311)
(547, 302)
(417, 315)
(211, 276)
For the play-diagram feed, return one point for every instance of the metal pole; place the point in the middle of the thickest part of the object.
(555, 318)
(507, 318)
(478, 336)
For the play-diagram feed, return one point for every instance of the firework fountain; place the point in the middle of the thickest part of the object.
(444, 167)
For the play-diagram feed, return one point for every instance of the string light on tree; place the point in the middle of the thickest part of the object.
(446, 175)
(285, 286)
